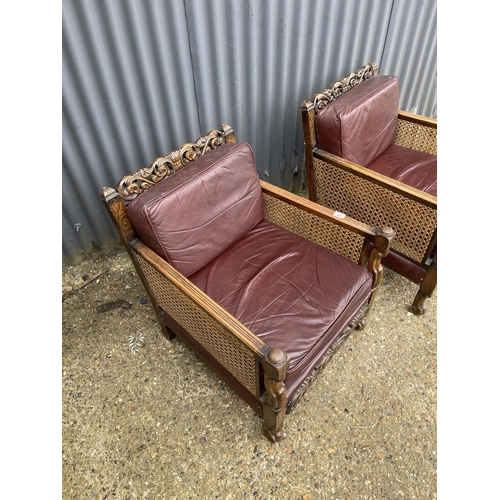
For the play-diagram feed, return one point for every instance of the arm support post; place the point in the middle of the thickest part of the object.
(275, 365)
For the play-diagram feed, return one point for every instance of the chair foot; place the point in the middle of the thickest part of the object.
(426, 290)
(419, 305)
(273, 424)
(168, 333)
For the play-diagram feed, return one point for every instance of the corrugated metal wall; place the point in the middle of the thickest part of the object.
(141, 77)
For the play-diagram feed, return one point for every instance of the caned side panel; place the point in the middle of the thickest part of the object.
(314, 228)
(213, 336)
(416, 136)
(377, 206)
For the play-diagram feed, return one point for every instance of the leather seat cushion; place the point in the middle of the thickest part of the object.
(194, 215)
(361, 124)
(290, 292)
(411, 167)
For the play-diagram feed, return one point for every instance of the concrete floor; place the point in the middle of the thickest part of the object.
(159, 424)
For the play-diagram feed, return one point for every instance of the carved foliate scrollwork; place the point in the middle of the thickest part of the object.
(275, 395)
(275, 364)
(336, 89)
(132, 185)
(274, 407)
(119, 212)
(384, 236)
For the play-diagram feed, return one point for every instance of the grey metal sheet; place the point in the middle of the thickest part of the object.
(410, 53)
(141, 77)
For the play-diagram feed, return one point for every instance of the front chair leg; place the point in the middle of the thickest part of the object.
(427, 287)
(381, 245)
(274, 399)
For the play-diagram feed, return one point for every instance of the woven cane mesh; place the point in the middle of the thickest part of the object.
(314, 228)
(213, 336)
(416, 136)
(377, 206)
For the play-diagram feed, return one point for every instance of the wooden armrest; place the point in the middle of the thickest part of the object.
(340, 233)
(227, 340)
(214, 310)
(376, 178)
(419, 119)
(313, 208)
(416, 132)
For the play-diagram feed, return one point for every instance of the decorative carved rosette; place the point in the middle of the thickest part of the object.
(275, 395)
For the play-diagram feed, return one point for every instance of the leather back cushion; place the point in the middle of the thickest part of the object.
(361, 124)
(191, 217)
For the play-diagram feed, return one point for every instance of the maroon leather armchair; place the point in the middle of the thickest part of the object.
(377, 164)
(262, 284)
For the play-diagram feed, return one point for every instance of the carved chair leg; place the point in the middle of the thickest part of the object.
(274, 416)
(427, 287)
(167, 332)
(274, 400)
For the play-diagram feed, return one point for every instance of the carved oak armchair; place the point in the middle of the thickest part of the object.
(377, 164)
(262, 284)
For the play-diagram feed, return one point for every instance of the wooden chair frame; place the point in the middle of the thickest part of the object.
(375, 199)
(253, 369)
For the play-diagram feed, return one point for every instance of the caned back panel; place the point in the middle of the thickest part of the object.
(377, 206)
(314, 228)
(416, 136)
(213, 336)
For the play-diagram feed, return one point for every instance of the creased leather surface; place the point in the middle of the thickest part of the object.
(361, 124)
(411, 167)
(194, 215)
(288, 291)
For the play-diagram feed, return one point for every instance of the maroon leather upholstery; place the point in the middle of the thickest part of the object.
(290, 292)
(196, 214)
(361, 124)
(411, 167)
(207, 221)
